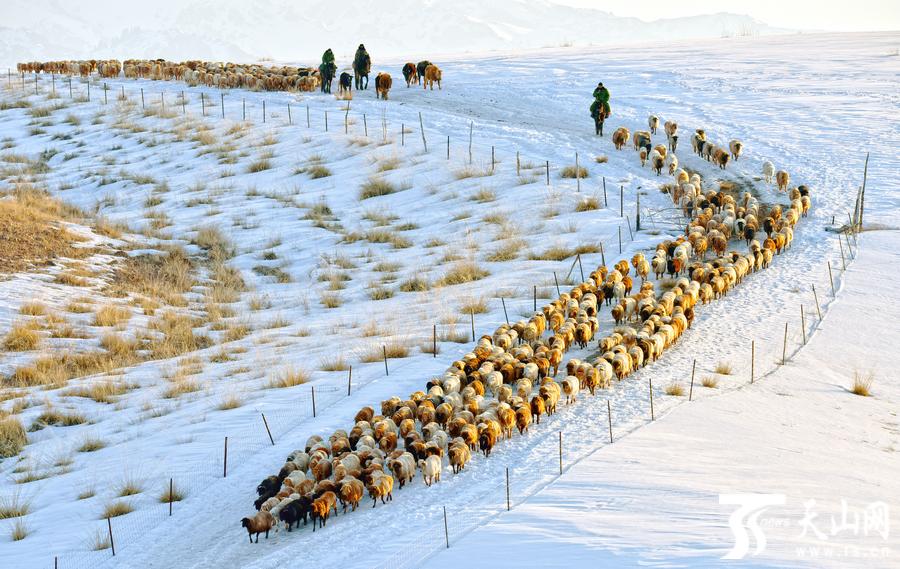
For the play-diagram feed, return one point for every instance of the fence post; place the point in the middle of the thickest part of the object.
(605, 201)
(548, 171)
(784, 348)
(803, 323)
(349, 380)
(171, 490)
(609, 417)
(652, 414)
(264, 111)
(472, 313)
(326, 121)
(560, 453)
(434, 339)
(620, 240)
(183, 103)
(693, 370)
(266, 423)
(518, 165)
(402, 133)
(505, 315)
(222, 103)
(446, 531)
(312, 390)
(577, 175)
(602, 254)
(89, 90)
(534, 296)
(307, 116)
(580, 267)
(752, 359)
(637, 218)
(816, 296)
(422, 129)
(365, 126)
(448, 147)
(556, 280)
(507, 488)
(492, 159)
(112, 544)
(831, 279)
(384, 351)
(630, 234)
(621, 201)
(142, 95)
(225, 462)
(105, 96)
(843, 260)
(243, 109)
(203, 103)
(70, 89)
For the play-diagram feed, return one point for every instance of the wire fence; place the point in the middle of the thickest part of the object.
(439, 527)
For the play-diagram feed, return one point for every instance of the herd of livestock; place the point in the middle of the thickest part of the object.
(511, 378)
(228, 75)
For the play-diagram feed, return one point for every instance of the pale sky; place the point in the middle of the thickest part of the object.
(832, 15)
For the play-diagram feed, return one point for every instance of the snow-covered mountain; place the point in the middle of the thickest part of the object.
(289, 30)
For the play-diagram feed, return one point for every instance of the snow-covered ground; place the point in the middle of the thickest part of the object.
(811, 104)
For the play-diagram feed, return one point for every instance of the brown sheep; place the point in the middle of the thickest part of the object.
(459, 454)
(351, 493)
(620, 137)
(432, 75)
(523, 418)
(383, 84)
(261, 522)
(538, 408)
(322, 507)
(382, 486)
(782, 178)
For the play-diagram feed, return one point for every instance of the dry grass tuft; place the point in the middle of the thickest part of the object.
(19, 530)
(375, 187)
(115, 509)
(862, 384)
(723, 368)
(675, 389)
(601, 159)
(588, 204)
(21, 338)
(14, 506)
(393, 349)
(572, 172)
(111, 315)
(172, 494)
(415, 284)
(230, 401)
(474, 306)
(462, 272)
(289, 377)
(508, 251)
(101, 391)
(51, 417)
(331, 299)
(91, 444)
(710, 381)
(336, 363)
(129, 487)
(33, 309)
(166, 277)
(12, 438)
(30, 230)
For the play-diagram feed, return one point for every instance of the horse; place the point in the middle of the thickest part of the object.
(382, 85)
(410, 73)
(361, 71)
(344, 82)
(326, 72)
(420, 69)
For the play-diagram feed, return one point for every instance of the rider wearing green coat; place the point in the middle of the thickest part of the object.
(600, 107)
(328, 56)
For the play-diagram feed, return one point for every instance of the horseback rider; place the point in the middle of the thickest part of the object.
(600, 107)
(361, 65)
(328, 56)
(327, 70)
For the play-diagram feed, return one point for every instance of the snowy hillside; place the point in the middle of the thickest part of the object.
(227, 273)
(287, 30)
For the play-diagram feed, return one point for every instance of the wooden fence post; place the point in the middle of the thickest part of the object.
(434, 339)
(264, 111)
(105, 95)
(349, 380)
(171, 496)
(222, 103)
(448, 147)
(605, 201)
(518, 164)
(290, 119)
(70, 91)
(183, 102)
(507, 488)
(307, 116)
(843, 260)
(548, 172)
(326, 121)
(609, 417)
(637, 219)
(493, 161)
(580, 267)
(446, 531)
(266, 424)
(142, 95)
(556, 280)
(803, 324)
(621, 201)
(816, 296)
(784, 348)
(384, 351)
(577, 175)
(693, 370)
(652, 414)
(534, 296)
(243, 109)
(602, 254)
(831, 280)
(203, 103)
(225, 462)
(472, 314)
(422, 129)
(630, 234)
(752, 359)
(112, 543)
(620, 240)
(560, 453)
(402, 134)
(505, 315)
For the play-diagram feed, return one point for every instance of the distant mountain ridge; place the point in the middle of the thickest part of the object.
(290, 30)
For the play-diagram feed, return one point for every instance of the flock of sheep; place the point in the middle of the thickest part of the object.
(227, 75)
(508, 381)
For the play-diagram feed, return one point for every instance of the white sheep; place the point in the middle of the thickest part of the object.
(768, 171)
(431, 469)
